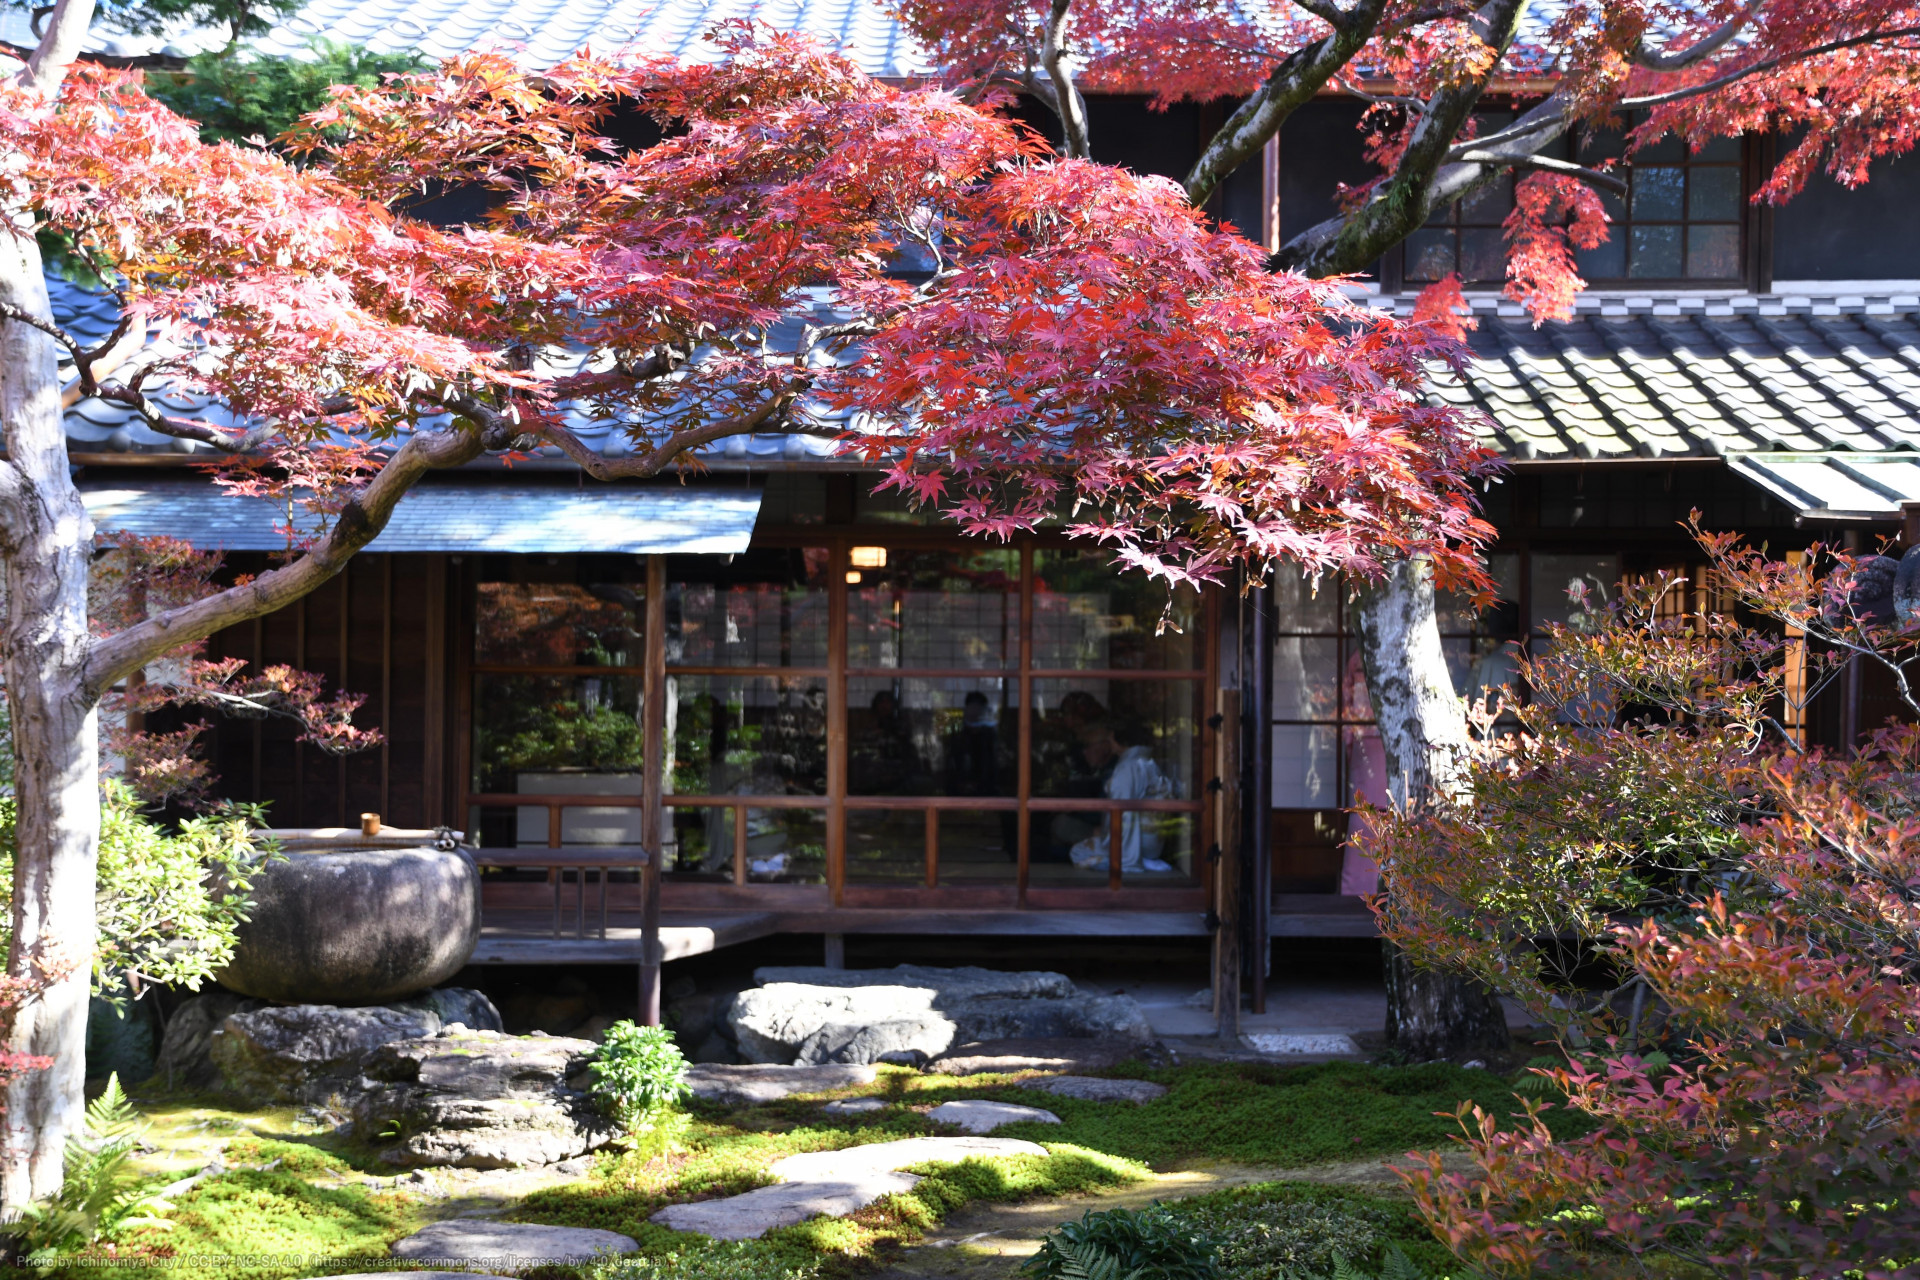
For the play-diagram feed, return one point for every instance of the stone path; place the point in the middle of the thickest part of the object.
(985, 1117)
(830, 1182)
(509, 1245)
(1096, 1089)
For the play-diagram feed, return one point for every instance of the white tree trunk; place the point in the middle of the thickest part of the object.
(1423, 729)
(47, 544)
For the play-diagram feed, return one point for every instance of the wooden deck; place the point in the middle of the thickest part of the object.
(527, 937)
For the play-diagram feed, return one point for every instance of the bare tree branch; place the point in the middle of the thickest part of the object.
(1700, 50)
(669, 450)
(1612, 182)
(1300, 75)
(1765, 64)
(112, 658)
(1067, 104)
(47, 65)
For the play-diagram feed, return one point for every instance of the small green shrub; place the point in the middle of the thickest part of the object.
(640, 1078)
(1122, 1244)
(99, 1195)
(1296, 1230)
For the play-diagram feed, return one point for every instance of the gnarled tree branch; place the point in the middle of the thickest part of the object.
(1701, 49)
(1067, 102)
(1611, 181)
(113, 658)
(669, 450)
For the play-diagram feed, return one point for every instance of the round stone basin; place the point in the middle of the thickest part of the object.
(356, 926)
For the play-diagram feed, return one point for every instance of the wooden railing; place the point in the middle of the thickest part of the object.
(580, 859)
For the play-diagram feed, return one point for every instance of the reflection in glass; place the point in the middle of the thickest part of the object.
(558, 624)
(1713, 194)
(932, 736)
(1302, 604)
(1304, 677)
(545, 725)
(1656, 253)
(1088, 614)
(1566, 588)
(936, 609)
(783, 846)
(767, 608)
(1656, 193)
(1113, 740)
(1483, 253)
(1303, 766)
(1713, 253)
(1430, 253)
(747, 735)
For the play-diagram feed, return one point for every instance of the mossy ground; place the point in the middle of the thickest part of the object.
(302, 1205)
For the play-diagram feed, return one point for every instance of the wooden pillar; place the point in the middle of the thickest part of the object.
(835, 951)
(653, 785)
(1257, 713)
(837, 723)
(1226, 872)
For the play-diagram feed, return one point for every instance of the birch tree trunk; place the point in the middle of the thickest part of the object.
(1423, 729)
(47, 540)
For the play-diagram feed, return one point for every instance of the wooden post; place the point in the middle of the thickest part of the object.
(933, 847)
(1226, 873)
(1257, 678)
(834, 950)
(652, 810)
(837, 723)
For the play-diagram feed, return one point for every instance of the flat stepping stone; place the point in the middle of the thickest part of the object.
(1283, 1043)
(742, 1084)
(514, 1245)
(854, 1106)
(415, 1275)
(882, 1157)
(831, 1182)
(750, 1216)
(1098, 1089)
(985, 1117)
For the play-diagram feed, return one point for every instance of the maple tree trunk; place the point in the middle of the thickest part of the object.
(47, 541)
(1423, 730)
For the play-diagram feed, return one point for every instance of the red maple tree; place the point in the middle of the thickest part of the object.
(1081, 337)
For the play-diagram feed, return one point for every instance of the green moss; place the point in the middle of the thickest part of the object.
(302, 1158)
(1252, 1113)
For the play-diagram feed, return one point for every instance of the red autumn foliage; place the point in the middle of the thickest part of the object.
(1753, 1062)
(1835, 77)
(1085, 341)
(135, 576)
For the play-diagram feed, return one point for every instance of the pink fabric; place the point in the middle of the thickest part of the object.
(1367, 772)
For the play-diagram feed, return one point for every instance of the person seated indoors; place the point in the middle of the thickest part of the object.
(882, 758)
(1129, 773)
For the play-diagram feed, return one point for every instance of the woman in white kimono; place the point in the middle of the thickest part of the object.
(1131, 774)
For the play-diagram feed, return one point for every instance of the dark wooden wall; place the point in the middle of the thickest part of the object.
(379, 629)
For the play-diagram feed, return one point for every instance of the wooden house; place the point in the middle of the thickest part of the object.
(866, 723)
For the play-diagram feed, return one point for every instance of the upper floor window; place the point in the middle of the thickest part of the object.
(1681, 221)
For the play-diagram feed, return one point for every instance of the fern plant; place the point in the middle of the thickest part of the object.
(1152, 1244)
(99, 1195)
(1395, 1266)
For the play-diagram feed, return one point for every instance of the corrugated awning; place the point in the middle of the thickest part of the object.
(1836, 484)
(524, 519)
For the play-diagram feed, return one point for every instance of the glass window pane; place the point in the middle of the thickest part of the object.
(979, 846)
(558, 624)
(701, 846)
(1656, 253)
(1483, 254)
(767, 608)
(1668, 150)
(1566, 586)
(932, 736)
(1430, 255)
(1489, 205)
(1306, 851)
(1299, 607)
(1304, 774)
(1722, 149)
(887, 846)
(1121, 739)
(747, 735)
(1366, 769)
(1656, 193)
(1456, 613)
(939, 609)
(1713, 253)
(1089, 614)
(1607, 261)
(1713, 193)
(1601, 144)
(528, 730)
(1306, 672)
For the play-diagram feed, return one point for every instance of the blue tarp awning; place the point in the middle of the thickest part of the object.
(522, 519)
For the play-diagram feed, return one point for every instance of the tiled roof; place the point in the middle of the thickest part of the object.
(1699, 375)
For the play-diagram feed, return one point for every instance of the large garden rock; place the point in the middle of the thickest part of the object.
(510, 1246)
(311, 1052)
(1096, 1089)
(912, 1014)
(976, 1115)
(741, 1084)
(185, 1060)
(480, 1100)
(356, 926)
